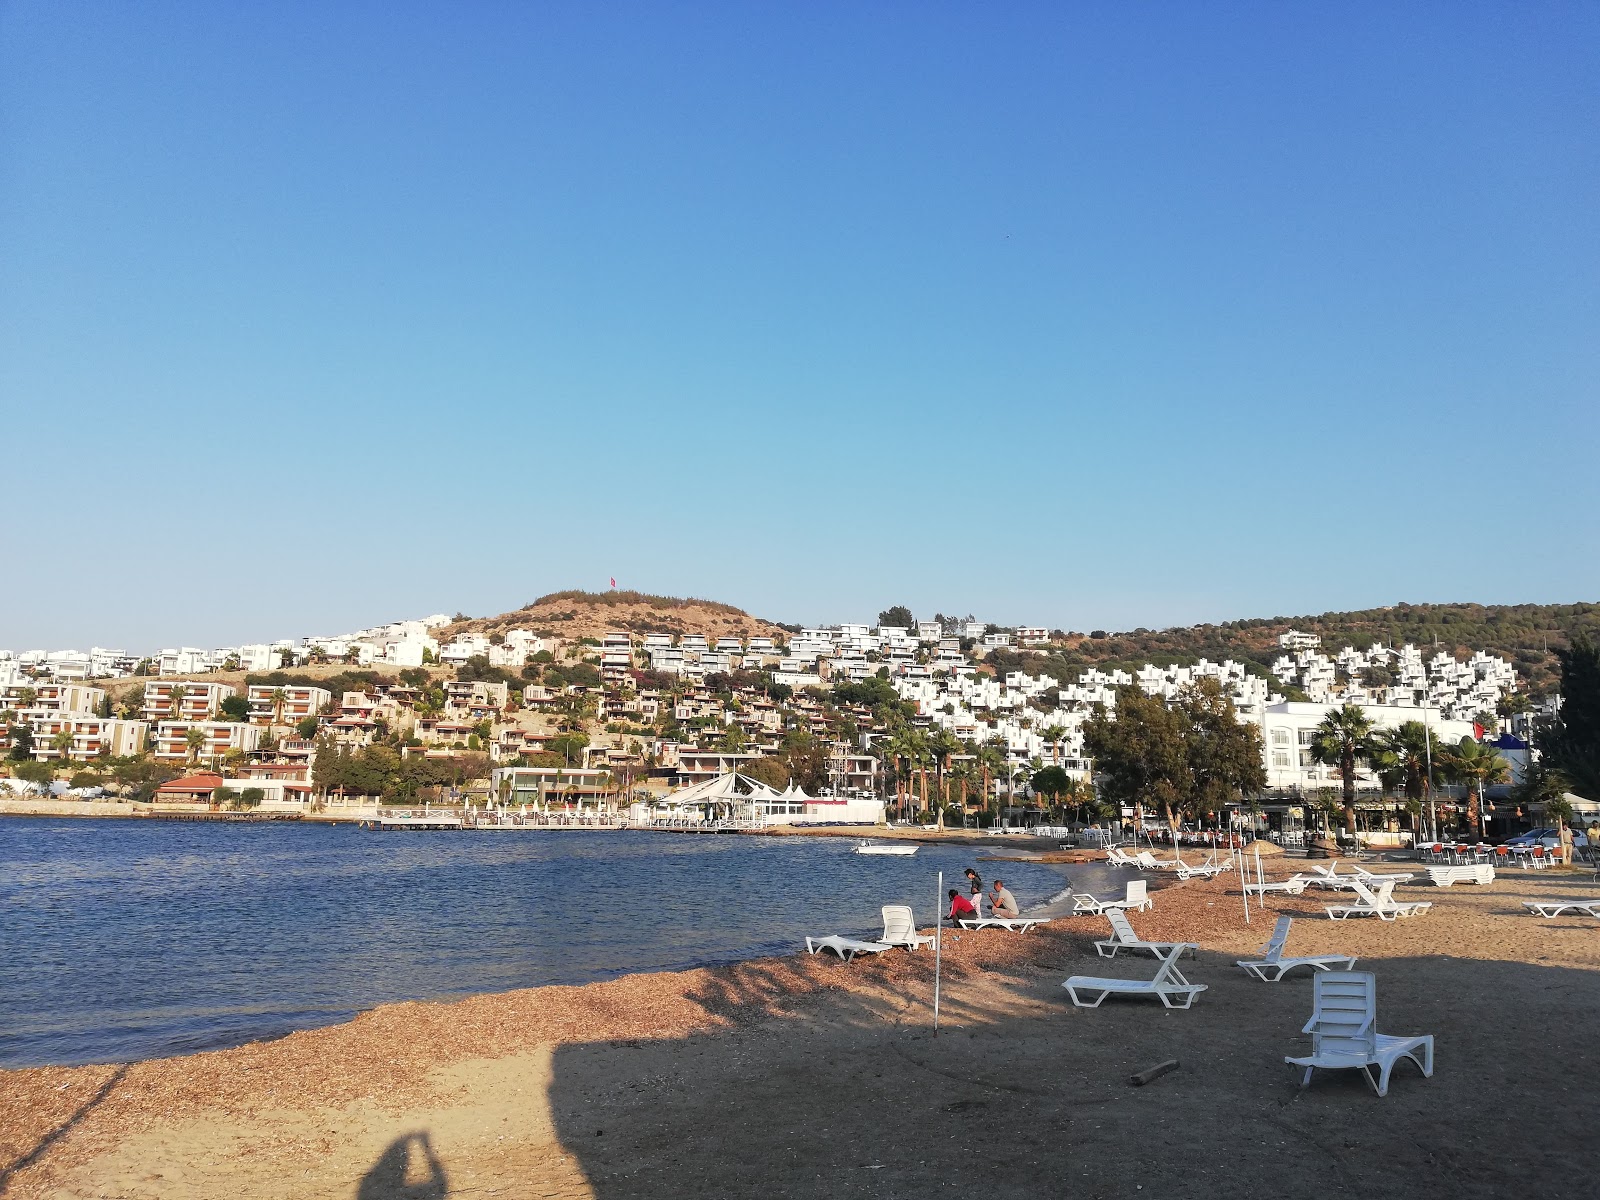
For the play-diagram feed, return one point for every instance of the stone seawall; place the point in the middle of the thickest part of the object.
(40, 807)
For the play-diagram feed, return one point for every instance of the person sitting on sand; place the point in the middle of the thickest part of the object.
(1005, 904)
(960, 907)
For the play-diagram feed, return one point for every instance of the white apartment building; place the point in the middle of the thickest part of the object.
(465, 646)
(92, 736)
(220, 738)
(286, 705)
(197, 701)
(53, 697)
(1288, 729)
(1295, 640)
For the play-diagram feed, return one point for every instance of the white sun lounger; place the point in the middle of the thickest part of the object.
(994, 921)
(900, 928)
(1380, 903)
(1127, 939)
(1293, 886)
(1169, 985)
(1144, 860)
(1273, 961)
(1137, 896)
(845, 948)
(1554, 908)
(1118, 857)
(1329, 877)
(1344, 1032)
(1465, 873)
(1207, 869)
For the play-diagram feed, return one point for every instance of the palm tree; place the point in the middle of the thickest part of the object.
(278, 698)
(1475, 765)
(175, 697)
(1343, 737)
(62, 742)
(1402, 756)
(942, 745)
(1053, 734)
(194, 739)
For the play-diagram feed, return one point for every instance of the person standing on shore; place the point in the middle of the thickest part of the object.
(1003, 902)
(974, 882)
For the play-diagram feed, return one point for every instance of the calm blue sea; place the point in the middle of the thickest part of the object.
(123, 940)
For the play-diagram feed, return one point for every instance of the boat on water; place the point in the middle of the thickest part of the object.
(878, 848)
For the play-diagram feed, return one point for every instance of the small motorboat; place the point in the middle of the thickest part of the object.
(900, 848)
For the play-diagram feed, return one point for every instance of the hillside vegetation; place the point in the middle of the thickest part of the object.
(1527, 634)
(578, 614)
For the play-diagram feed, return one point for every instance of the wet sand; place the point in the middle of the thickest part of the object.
(804, 1076)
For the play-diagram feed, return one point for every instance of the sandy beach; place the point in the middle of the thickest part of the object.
(804, 1076)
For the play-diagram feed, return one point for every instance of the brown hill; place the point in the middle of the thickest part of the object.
(575, 614)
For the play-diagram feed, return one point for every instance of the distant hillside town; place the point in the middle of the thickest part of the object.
(850, 712)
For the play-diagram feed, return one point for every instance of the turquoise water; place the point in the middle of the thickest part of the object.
(123, 940)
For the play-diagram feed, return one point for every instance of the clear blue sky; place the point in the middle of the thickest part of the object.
(1090, 315)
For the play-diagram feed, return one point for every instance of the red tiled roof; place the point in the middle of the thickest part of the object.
(204, 782)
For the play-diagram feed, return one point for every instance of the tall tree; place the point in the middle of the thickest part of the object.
(194, 738)
(1052, 735)
(897, 617)
(1342, 739)
(1572, 743)
(1477, 766)
(1225, 754)
(1402, 756)
(1139, 752)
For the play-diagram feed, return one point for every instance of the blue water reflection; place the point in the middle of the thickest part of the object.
(123, 940)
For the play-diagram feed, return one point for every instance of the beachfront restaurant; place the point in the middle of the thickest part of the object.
(737, 799)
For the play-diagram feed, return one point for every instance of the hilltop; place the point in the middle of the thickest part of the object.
(578, 614)
(1527, 634)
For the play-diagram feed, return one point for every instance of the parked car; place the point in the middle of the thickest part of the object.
(1548, 838)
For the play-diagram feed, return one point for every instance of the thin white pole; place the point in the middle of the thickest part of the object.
(938, 948)
(1243, 890)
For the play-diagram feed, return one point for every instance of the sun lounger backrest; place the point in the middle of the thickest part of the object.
(1136, 892)
(1273, 950)
(1120, 926)
(1344, 1013)
(898, 925)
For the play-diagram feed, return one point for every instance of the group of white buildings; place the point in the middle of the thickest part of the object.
(1036, 718)
(1400, 678)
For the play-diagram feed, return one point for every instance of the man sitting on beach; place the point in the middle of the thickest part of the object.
(1005, 904)
(960, 907)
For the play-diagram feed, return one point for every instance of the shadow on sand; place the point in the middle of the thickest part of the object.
(393, 1176)
(61, 1130)
(1023, 1095)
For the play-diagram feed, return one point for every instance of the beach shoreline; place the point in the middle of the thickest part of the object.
(506, 1086)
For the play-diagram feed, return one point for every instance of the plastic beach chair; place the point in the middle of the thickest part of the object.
(1272, 965)
(1127, 939)
(845, 948)
(1344, 1032)
(1168, 985)
(900, 928)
